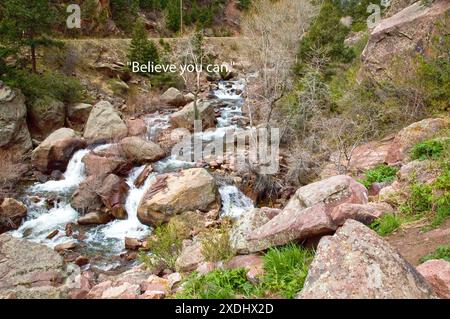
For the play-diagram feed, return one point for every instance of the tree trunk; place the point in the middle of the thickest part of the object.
(196, 113)
(33, 59)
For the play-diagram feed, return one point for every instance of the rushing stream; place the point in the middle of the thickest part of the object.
(49, 210)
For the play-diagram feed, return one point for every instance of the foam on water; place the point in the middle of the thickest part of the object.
(38, 229)
(73, 176)
(230, 90)
(156, 122)
(234, 202)
(171, 164)
(131, 227)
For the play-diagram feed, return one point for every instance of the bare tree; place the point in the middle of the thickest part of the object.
(192, 52)
(275, 28)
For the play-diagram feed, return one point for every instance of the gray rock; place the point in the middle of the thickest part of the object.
(14, 132)
(185, 117)
(30, 270)
(104, 124)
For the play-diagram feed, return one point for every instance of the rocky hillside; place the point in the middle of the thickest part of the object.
(110, 188)
(115, 18)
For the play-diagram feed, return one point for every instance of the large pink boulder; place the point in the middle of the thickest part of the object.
(307, 214)
(55, 152)
(364, 213)
(413, 134)
(356, 263)
(437, 273)
(401, 36)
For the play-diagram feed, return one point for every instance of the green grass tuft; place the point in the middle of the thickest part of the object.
(218, 284)
(286, 269)
(386, 224)
(442, 252)
(427, 150)
(164, 247)
(380, 174)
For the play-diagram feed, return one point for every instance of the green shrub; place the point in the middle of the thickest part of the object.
(124, 13)
(51, 84)
(142, 49)
(380, 174)
(357, 9)
(443, 180)
(442, 195)
(216, 244)
(442, 252)
(427, 150)
(434, 70)
(286, 269)
(218, 284)
(326, 35)
(173, 15)
(244, 4)
(421, 198)
(166, 80)
(164, 247)
(386, 224)
(442, 210)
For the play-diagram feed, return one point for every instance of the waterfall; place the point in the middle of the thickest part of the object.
(55, 219)
(234, 202)
(102, 242)
(73, 176)
(130, 227)
(41, 220)
(230, 90)
(156, 123)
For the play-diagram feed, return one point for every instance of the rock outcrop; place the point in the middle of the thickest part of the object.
(101, 195)
(402, 35)
(185, 117)
(14, 134)
(107, 161)
(11, 214)
(357, 263)
(246, 225)
(364, 213)
(189, 190)
(136, 127)
(29, 270)
(55, 152)
(173, 97)
(190, 257)
(45, 116)
(78, 114)
(413, 134)
(113, 193)
(85, 199)
(104, 124)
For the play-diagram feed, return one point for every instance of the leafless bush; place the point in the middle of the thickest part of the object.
(275, 29)
(141, 103)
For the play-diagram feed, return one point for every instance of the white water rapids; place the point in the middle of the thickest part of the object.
(49, 203)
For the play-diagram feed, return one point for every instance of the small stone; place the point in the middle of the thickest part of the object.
(66, 246)
(133, 243)
(81, 261)
(52, 234)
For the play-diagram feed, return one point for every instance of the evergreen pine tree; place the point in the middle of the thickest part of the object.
(27, 23)
(142, 49)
